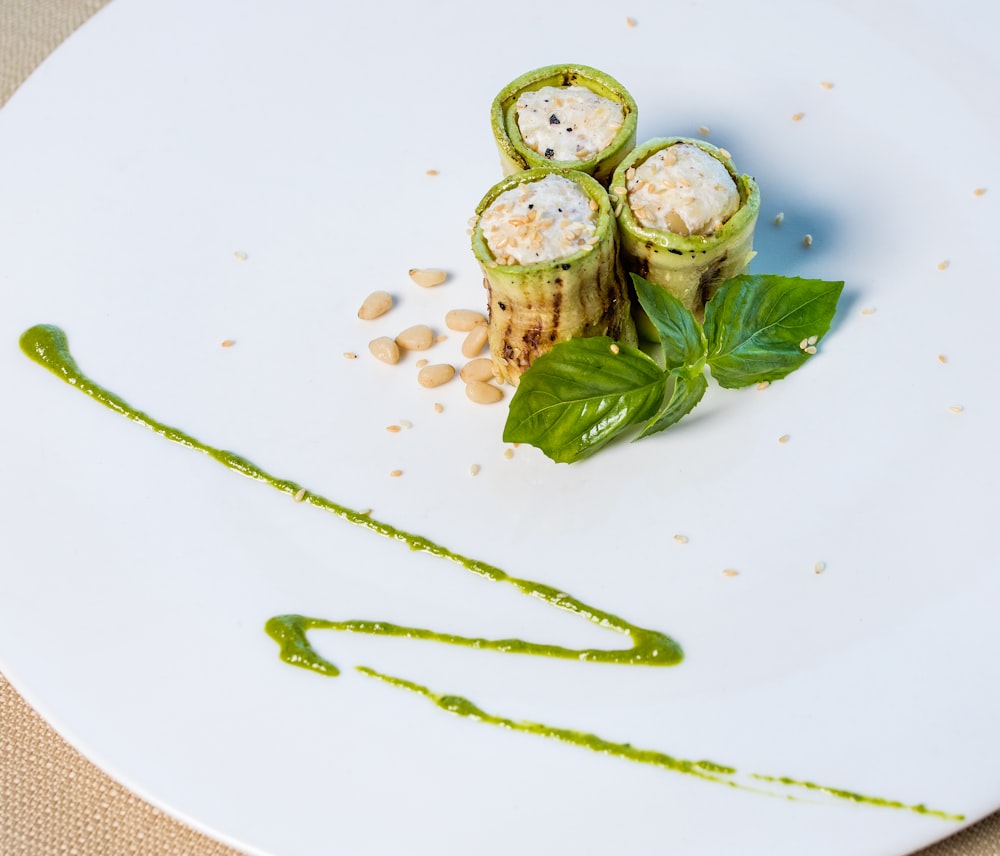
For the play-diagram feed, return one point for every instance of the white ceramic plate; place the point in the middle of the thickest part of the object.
(165, 138)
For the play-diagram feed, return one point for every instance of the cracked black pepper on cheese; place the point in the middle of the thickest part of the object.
(571, 116)
(547, 243)
(567, 123)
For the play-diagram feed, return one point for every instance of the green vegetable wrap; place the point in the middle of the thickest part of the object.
(597, 152)
(576, 287)
(705, 213)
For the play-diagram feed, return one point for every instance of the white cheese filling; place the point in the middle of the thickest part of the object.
(568, 123)
(684, 190)
(540, 221)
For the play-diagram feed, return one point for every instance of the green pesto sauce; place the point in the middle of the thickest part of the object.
(702, 769)
(47, 345)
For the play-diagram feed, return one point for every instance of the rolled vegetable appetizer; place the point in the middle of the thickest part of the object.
(547, 243)
(570, 116)
(686, 218)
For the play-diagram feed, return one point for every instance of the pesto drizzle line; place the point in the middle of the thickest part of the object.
(47, 345)
(707, 770)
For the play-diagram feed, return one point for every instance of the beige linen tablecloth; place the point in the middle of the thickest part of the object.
(52, 800)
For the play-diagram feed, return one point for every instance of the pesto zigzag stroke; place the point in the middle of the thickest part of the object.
(48, 346)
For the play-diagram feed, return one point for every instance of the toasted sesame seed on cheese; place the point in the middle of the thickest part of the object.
(539, 221)
(684, 190)
(568, 123)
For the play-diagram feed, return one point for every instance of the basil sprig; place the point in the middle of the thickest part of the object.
(585, 392)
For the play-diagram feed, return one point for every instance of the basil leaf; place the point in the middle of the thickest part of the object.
(688, 390)
(680, 335)
(756, 324)
(580, 395)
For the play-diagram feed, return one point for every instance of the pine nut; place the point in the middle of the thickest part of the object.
(463, 319)
(417, 338)
(475, 341)
(435, 375)
(377, 303)
(482, 392)
(480, 369)
(427, 277)
(385, 349)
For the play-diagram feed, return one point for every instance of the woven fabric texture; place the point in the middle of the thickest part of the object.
(53, 802)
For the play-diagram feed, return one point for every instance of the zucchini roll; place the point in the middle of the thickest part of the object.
(547, 243)
(569, 116)
(686, 218)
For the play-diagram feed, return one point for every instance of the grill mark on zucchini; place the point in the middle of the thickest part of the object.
(709, 279)
(532, 339)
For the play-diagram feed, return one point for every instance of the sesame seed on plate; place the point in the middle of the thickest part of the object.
(943, 264)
